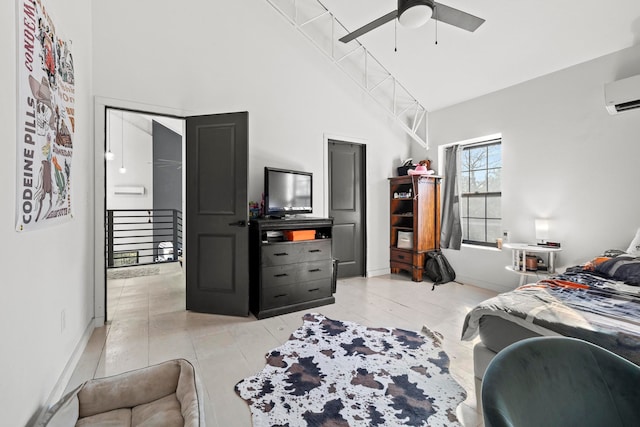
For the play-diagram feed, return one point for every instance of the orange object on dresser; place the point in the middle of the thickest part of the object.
(295, 235)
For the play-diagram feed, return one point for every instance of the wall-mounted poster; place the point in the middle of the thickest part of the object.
(45, 120)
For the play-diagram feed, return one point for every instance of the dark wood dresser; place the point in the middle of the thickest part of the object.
(290, 275)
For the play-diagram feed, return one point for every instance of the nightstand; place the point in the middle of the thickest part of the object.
(519, 252)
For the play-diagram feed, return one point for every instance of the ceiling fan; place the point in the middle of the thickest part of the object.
(414, 13)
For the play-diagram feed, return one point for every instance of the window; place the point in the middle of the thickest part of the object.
(481, 192)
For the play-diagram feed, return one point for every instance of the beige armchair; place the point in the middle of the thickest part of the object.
(167, 394)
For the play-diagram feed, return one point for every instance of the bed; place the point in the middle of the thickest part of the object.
(598, 302)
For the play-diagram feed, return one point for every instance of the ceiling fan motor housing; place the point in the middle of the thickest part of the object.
(414, 13)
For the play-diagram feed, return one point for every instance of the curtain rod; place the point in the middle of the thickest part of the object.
(479, 143)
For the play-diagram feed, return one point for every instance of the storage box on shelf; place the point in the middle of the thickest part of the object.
(414, 222)
(295, 235)
(405, 239)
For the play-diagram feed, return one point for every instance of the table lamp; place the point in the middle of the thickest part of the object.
(542, 231)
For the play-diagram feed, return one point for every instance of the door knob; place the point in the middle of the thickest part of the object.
(240, 223)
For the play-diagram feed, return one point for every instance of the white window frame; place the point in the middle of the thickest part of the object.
(483, 140)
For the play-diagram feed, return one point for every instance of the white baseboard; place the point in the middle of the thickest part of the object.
(67, 372)
(378, 272)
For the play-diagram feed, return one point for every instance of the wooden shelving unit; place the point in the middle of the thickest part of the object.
(414, 208)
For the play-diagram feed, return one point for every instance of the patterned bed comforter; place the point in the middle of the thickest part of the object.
(578, 304)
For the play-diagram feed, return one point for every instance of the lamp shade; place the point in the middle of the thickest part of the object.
(414, 13)
(542, 229)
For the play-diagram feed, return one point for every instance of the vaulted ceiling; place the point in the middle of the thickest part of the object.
(519, 41)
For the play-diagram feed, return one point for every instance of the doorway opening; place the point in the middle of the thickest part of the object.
(143, 208)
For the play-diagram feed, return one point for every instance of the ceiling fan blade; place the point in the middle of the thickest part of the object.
(457, 18)
(370, 26)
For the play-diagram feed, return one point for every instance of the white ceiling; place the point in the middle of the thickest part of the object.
(519, 41)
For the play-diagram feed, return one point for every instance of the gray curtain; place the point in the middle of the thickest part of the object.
(451, 229)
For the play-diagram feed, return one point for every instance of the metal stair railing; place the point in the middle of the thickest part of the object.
(323, 29)
(142, 236)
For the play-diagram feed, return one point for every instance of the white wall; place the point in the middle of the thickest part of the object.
(50, 270)
(564, 158)
(130, 140)
(137, 143)
(196, 56)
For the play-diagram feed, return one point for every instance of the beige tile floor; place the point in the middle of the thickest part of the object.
(149, 324)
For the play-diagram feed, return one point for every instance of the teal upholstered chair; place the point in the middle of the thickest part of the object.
(559, 381)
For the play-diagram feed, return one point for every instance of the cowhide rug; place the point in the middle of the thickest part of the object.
(332, 373)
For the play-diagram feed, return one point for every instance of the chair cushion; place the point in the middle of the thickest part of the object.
(168, 394)
(128, 389)
(163, 412)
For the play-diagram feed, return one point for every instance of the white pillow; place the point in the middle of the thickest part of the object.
(634, 247)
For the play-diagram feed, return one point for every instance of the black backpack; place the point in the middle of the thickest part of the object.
(438, 269)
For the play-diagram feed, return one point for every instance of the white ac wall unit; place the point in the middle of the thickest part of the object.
(622, 95)
(129, 189)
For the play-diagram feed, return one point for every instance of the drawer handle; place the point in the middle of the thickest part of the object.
(314, 289)
(401, 256)
(280, 275)
(315, 270)
(280, 296)
(315, 250)
(281, 254)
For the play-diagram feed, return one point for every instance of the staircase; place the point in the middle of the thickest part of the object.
(322, 28)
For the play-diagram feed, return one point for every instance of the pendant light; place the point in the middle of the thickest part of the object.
(109, 154)
(122, 169)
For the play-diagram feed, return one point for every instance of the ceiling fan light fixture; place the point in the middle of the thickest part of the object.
(414, 13)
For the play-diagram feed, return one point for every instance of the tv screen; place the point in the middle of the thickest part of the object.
(287, 192)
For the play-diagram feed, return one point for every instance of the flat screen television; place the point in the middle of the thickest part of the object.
(287, 192)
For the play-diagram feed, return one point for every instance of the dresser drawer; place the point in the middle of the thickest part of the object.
(280, 275)
(314, 270)
(315, 289)
(281, 254)
(290, 253)
(315, 250)
(278, 296)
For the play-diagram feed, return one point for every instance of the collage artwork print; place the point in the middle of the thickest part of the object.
(45, 133)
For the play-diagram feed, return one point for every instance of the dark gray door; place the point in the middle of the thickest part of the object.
(217, 246)
(167, 185)
(347, 206)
